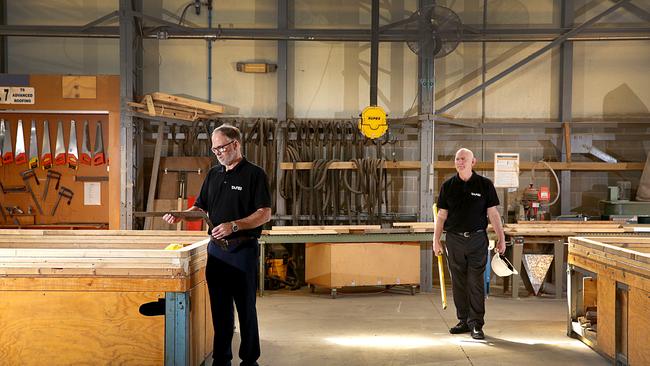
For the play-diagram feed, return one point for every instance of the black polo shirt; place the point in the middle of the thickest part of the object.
(467, 202)
(235, 194)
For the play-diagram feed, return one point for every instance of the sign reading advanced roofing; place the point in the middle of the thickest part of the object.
(16, 95)
(506, 170)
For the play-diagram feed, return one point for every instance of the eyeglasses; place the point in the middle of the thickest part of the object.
(221, 149)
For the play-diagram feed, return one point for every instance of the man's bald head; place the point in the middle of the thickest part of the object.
(464, 162)
(467, 152)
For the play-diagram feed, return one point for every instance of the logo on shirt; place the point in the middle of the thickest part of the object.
(236, 188)
(475, 194)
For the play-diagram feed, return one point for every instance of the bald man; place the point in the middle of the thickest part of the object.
(466, 202)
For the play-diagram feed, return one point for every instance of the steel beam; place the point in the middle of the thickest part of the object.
(127, 86)
(175, 31)
(4, 62)
(100, 20)
(532, 56)
(282, 102)
(374, 52)
(566, 98)
(427, 155)
(639, 12)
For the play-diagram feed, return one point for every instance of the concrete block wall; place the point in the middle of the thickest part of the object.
(627, 144)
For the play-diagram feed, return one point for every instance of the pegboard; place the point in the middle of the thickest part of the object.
(77, 212)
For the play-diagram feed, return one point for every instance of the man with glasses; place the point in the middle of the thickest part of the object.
(466, 202)
(236, 197)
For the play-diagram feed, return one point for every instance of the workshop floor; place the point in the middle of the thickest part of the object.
(374, 327)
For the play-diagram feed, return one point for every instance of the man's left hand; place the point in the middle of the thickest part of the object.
(501, 246)
(222, 230)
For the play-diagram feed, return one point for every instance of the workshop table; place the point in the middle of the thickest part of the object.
(103, 297)
(610, 276)
(555, 233)
(425, 239)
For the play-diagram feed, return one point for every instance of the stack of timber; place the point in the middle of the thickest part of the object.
(416, 227)
(321, 229)
(103, 297)
(171, 106)
(562, 228)
(621, 265)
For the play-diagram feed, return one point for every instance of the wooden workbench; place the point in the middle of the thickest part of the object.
(556, 233)
(103, 297)
(611, 274)
(347, 242)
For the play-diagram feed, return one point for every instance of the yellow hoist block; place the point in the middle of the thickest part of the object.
(373, 122)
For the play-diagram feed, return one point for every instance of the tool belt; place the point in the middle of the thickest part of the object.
(232, 245)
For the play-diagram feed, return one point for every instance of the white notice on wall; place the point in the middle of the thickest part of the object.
(506, 170)
(92, 194)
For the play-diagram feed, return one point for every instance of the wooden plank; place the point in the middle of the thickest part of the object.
(95, 283)
(628, 278)
(72, 328)
(79, 87)
(590, 293)
(173, 99)
(639, 318)
(106, 233)
(154, 175)
(325, 227)
(606, 315)
(306, 232)
(487, 165)
(419, 225)
(198, 324)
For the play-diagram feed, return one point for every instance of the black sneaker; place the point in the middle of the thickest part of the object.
(459, 328)
(477, 333)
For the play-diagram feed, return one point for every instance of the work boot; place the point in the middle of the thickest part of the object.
(477, 332)
(459, 328)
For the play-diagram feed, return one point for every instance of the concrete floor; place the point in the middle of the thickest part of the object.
(374, 327)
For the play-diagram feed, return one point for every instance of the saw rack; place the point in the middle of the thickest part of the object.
(49, 161)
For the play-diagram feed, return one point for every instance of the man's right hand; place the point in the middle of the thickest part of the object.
(437, 248)
(171, 219)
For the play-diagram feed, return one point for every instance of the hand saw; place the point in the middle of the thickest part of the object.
(33, 147)
(21, 157)
(59, 150)
(46, 150)
(98, 153)
(73, 154)
(7, 148)
(85, 158)
(2, 139)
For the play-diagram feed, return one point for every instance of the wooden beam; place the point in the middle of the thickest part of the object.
(486, 165)
(153, 181)
(186, 102)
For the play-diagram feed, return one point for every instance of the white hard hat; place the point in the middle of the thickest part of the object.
(502, 266)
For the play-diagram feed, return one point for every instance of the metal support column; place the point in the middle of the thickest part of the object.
(566, 96)
(177, 329)
(4, 62)
(425, 107)
(127, 86)
(282, 95)
(374, 52)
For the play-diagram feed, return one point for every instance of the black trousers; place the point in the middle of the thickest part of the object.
(467, 257)
(228, 284)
